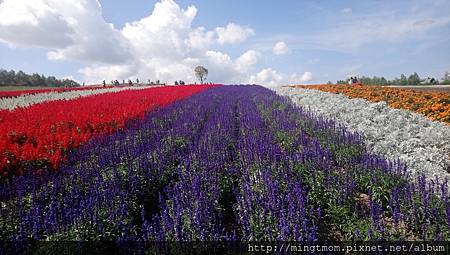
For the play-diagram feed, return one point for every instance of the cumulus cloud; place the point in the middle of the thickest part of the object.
(166, 33)
(246, 60)
(200, 39)
(168, 47)
(272, 78)
(218, 57)
(162, 46)
(33, 19)
(306, 77)
(71, 29)
(267, 77)
(223, 68)
(233, 33)
(280, 48)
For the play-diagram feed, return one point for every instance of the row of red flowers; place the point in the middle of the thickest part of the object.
(16, 93)
(43, 133)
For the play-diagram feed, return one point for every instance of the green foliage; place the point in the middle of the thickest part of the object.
(413, 79)
(403, 80)
(23, 79)
(345, 153)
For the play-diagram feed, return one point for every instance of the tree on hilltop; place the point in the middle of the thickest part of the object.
(201, 73)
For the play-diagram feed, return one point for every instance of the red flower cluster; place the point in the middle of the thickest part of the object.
(17, 93)
(43, 133)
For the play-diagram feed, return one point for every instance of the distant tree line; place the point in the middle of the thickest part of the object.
(413, 79)
(12, 78)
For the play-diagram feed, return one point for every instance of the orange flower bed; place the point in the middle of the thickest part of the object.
(434, 105)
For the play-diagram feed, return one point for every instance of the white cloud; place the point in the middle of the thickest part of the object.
(346, 11)
(272, 78)
(95, 73)
(166, 33)
(267, 77)
(233, 33)
(71, 29)
(280, 48)
(306, 77)
(200, 39)
(219, 58)
(223, 68)
(246, 60)
(162, 46)
(33, 19)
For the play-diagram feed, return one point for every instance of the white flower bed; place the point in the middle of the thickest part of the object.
(424, 145)
(29, 99)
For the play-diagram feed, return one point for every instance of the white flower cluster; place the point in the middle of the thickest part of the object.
(423, 144)
(26, 100)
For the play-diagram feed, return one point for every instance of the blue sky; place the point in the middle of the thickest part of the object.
(317, 40)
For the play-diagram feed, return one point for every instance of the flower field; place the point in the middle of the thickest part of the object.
(16, 93)
(422, 144)
(229, 163)
(434, 105)
(39, 136)
(25, 100)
